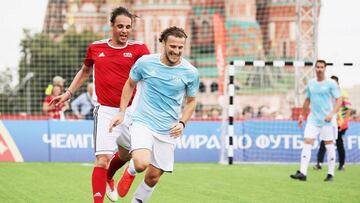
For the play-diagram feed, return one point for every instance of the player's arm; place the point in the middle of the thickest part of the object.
(189, 108)
(305, 110)
(335, 109)
(126, 95)
(78, 80)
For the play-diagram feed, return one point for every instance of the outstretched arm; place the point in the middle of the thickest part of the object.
(189, 108)
(125, 98)
(78, 80)
(305, 109)
(335, 109)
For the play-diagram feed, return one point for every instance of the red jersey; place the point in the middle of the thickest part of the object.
(54, 113)
(112, 66)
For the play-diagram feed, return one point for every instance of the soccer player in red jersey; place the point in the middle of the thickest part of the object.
(110, 61)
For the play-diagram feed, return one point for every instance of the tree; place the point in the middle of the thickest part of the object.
(46, 57)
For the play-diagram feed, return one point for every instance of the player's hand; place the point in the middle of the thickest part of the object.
(300, 121)
(328, 118)
(176, 130)
(116, 121)
(60, 99)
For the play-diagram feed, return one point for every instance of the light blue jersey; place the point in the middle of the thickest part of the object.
(322, 95)
(161, 91)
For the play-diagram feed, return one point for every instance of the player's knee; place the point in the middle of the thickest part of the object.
(141, 165)
(328, 142)
(124, 154)
(308, 141)
(152, 180)
(102, 161)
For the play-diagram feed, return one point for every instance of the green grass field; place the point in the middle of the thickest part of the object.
(70, 182)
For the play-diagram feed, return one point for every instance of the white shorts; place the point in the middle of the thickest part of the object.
(105, 142)
(162, 152)
(327, 132)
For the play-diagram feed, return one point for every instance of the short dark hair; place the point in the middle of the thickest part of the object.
(334, 77)
(321, 61)
(120, 11)
(172, 31)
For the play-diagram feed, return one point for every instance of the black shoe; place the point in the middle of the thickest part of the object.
(329, 178)
(341, 168)
(298, 175)
(317, 167)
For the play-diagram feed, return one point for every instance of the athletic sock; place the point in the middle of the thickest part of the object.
(114, 165)
(99, 184)
(142, 193)
(131, 170)
(305, 158)
(331, 156)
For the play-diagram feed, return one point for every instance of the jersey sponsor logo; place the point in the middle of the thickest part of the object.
(9, 152)
(101, 54)
(175, 78)
(127, 54)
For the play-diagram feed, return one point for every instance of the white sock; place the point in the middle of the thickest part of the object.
(331, 156)
(131, 169)
(305, 158)
(142, 193)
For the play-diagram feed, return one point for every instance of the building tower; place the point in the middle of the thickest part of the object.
(55, 18)
(157, 15)
(88, 15)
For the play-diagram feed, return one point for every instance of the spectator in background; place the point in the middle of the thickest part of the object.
(55, 112)
(83, 105)
(214, 113)
(343, 118)
(248, 112)
(353, 115)
(57, 80)
(263, 111)
(266, 112)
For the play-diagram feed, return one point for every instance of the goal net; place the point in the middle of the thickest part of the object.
(269, 42)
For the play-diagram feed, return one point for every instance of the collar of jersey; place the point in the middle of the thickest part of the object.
(168, 65)
(108, 42)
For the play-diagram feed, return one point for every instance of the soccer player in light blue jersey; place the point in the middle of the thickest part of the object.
(323, 98)
(163, 82)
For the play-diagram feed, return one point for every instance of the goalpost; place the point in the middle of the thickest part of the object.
(261, 119)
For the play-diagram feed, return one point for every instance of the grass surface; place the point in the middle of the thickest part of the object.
(190, 182)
